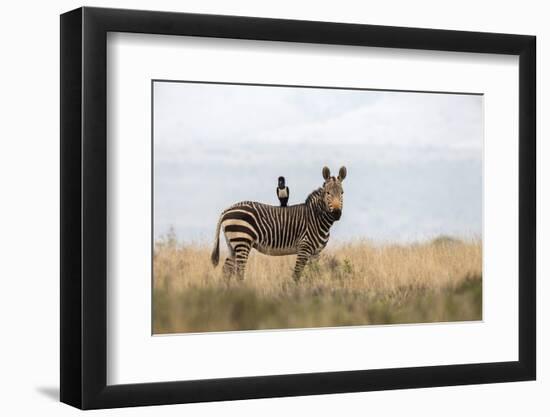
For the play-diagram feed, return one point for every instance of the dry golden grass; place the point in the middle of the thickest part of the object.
(351, 284)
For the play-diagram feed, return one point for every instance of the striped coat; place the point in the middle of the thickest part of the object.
(301, 229)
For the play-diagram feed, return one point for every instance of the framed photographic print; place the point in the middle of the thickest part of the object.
(207, 250)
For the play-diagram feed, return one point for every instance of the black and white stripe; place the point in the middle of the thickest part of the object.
(301, 229)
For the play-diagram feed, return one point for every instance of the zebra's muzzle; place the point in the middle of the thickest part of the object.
(336, 213)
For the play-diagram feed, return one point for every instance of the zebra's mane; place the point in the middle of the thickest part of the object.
(314, 196)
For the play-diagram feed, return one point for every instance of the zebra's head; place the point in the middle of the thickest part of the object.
(333, 193)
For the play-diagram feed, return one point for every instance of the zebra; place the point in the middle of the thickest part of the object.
(300, 229)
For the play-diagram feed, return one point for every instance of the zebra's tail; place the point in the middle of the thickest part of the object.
(215, 257)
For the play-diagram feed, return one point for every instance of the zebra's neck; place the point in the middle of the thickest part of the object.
(315, 202)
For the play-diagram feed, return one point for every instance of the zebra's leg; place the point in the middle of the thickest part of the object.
(228, 267)
(241, 257)
(304, 254)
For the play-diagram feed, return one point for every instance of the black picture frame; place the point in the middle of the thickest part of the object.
(84, 207)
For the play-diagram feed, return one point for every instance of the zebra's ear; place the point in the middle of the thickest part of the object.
(342, 174)
(326, 173)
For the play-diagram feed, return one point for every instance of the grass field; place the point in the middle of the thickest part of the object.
(357, 283)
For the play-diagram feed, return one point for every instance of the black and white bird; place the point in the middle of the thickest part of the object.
(282, 192)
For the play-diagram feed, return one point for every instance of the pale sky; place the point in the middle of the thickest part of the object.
(414, 160)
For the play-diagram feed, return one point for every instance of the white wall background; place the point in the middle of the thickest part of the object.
(29, 169)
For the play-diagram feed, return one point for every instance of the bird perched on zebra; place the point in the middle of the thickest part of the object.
(283, 193)
(300, 229)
